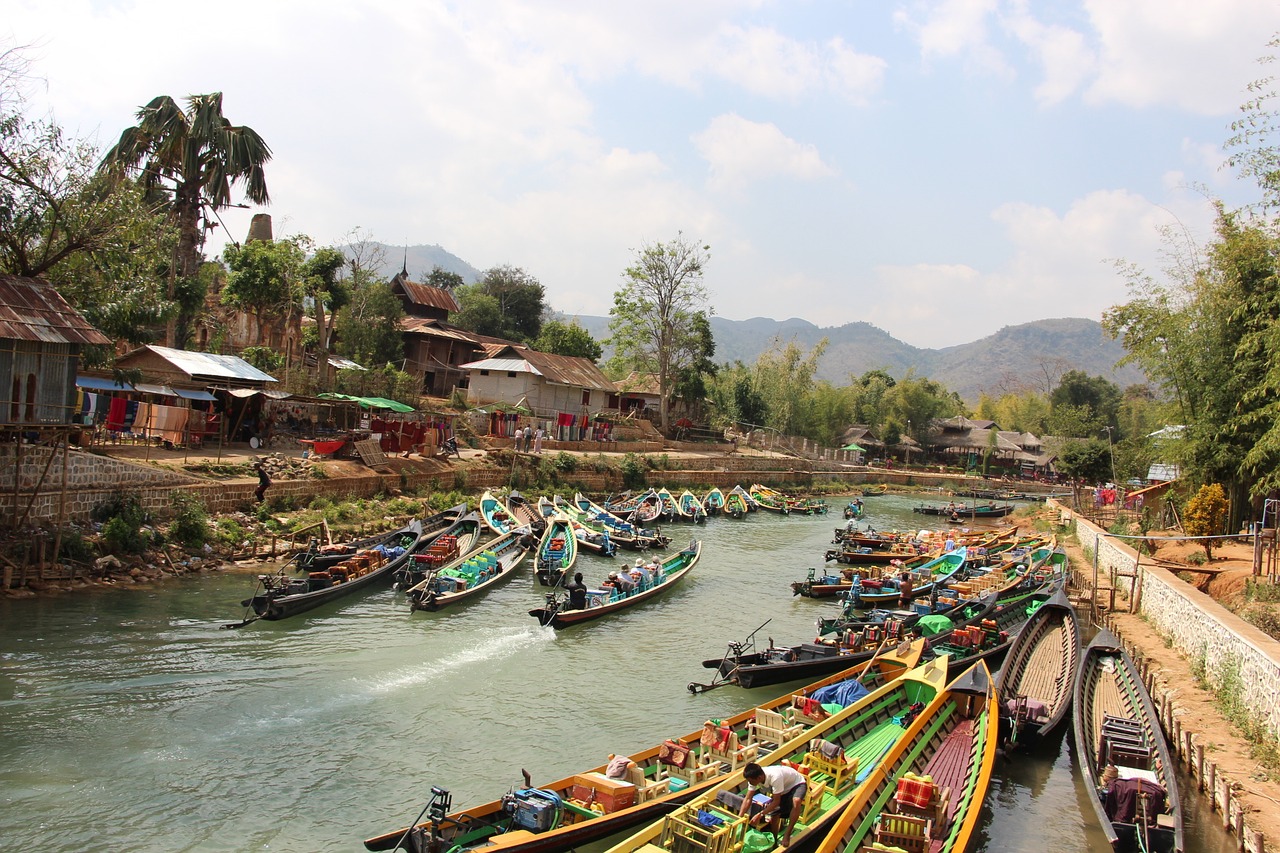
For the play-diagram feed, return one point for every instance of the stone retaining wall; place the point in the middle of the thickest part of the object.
(1199, 627)
(1213, 781)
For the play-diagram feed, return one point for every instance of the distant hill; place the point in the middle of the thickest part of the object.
(1030, 356)
(420, 261)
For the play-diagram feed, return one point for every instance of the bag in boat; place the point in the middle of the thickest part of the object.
(674, 754)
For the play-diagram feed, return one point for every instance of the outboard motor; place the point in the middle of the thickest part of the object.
(533, 809)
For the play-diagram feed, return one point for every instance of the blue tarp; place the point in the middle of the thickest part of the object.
(842, 693)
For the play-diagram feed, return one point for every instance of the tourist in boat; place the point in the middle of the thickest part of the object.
(785, 785)
(623, 585)
(577, 593)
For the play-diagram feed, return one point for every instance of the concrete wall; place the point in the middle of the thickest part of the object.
(1199, 627)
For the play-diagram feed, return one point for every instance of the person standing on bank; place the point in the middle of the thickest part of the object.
(264, 482)
(537, 439)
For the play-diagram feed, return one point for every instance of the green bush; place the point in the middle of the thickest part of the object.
(228, 533)
(122, 537)
(633, 472)
(190, 527)
(565, 462)
(124, 505)
(75, 547)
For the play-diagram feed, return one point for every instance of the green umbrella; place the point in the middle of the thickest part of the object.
(852, 446)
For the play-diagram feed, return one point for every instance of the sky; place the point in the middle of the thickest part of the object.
(937, 169)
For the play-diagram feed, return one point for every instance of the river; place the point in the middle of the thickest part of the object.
(130, 721)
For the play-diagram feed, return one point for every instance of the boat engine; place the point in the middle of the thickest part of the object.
(533, 809)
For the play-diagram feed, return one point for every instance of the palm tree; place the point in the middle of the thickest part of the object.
(192, 157)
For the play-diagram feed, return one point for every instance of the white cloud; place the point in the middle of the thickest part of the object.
(764, 62)
(1062, 53)
(1191, 54)
(955, 28)
(739, 151)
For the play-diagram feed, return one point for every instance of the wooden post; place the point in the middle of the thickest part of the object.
(62, 496)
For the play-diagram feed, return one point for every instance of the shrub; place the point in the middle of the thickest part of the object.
(75, 547)
(633, 472)
(228, 533)
(565, 462)
(1206, 514)
(1264, 617)
(124, 505)
(190, 527)
(121, 537)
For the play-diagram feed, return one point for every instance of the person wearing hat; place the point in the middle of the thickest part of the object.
(621, 584)
(640, 574)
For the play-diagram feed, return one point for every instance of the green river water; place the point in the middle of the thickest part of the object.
(130, 721)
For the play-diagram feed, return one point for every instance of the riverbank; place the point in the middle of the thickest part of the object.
(1232, 761)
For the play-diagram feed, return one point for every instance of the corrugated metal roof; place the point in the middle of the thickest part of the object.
(31, 310)
(211, 364)
(561, 369)
(344, 363)
(510, 365)
(94, 383)
(425, 294)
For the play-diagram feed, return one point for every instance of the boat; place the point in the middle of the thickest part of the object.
(551, 818)
(737, 503)
(557, 551)
(874, 592)
(1115, 724)
(839, 756)
(638, 509)
(870, 491)
(691, 508)
(608, 600)
(808, 506)
(766, 500)
(1035, 683)
(669, 507)
(961, 511)
(853, 509)
(473, 573)
(279, 596)
(525, 513)
(863, 555)
(496, 516)
(444, 547)
(625, 533)
(713, 503)
(954, 749)
(318, 558)
(593, 541)
(983, 633)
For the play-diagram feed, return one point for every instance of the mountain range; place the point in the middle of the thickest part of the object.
(1026, 357)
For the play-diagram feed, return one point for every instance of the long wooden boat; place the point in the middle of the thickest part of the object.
(279, 596)
(628, 535)
(752, 506)
(670, 507)
(842, 755)
(319, 558)
(956, 747)
(557, 551)
(767, 501)
(604, 602)
(690, 507)
(496, 516)
(522, 822)
(1116, 725)
(888, 588)
(861, 555)
(713, 502)
(870, 490)
(525, 513)
(443, 547)
(736, 503)
(808, 506)
(989, 510)
(638, 509)
(1035, 683)
(592, 538)
(472, 574)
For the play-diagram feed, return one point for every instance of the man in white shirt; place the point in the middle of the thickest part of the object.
(785, 785)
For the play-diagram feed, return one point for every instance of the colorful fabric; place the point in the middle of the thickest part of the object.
(674, 754)
(914, 792)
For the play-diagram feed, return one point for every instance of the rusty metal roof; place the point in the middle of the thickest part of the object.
(425, 294)
(31, 310)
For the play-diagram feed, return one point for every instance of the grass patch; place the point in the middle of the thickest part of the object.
(1230, 699)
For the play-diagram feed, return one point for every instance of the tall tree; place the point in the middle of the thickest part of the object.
(266, 281)
(368, 327)
(560, 338)
(192, 158)
(328, 290)
(507, 303)
(652, 319)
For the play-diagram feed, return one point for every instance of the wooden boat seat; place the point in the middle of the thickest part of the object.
(724, 747)
(682, 833)
(838, 771)
(812, 808)
(646, 788)
(904, 831)
(771, 727)
(807, 710)
(935, 811)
